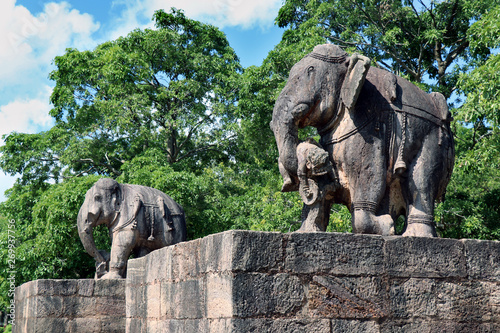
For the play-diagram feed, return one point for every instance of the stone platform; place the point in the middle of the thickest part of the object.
(76, 306)
(244, 281)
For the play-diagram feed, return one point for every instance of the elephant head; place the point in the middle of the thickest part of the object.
(318, 87)
(101, 206)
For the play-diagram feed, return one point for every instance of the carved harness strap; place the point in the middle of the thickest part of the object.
(149, 216)
(333, 60)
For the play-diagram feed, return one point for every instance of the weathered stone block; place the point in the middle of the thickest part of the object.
(466, 301)
(135, 325)
(179, 300)
(85, 307)
(53, 325)
(215, 251)
(109, 306)
(219, 296)
(334, 253)
(86, 287)
(427, 298)
(71, 306)
(113, 324)
(341, 326)
(259, 294)
(347, 297)
(107, 288)
(48, 306)
(246, 245)
(158, 266)
(85, 325)
(431, 326)
(153, 296)
(181, 326)
(136, 271)
(189, 300)
(267, 325)
(413, 298)
(56, 287)
(483, 259)
(425, 257)
(186, 262)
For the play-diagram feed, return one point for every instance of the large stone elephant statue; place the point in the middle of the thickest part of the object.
(140, 219)
(389, 143)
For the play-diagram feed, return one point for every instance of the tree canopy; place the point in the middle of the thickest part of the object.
(168, 89)
(418, 39)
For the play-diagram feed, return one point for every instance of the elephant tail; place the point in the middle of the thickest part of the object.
(445, 140)
(174, 219)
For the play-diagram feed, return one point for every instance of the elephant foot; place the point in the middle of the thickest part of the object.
(420, 230)
(363, 222)
(385, 225)
(310, 227)
(112, 275)
(366, 222)
(419, 224)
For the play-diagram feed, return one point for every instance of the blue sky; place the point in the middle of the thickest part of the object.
(33, 32)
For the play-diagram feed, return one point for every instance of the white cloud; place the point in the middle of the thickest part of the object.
(221, 13)
(28, 43)
(26, 116)
(6, 182)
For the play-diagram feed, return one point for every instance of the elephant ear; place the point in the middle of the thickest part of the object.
(354, 79)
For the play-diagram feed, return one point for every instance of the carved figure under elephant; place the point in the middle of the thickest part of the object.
(140, 219)
(389, 142)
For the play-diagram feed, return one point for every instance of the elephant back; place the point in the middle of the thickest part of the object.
(163, 219)
(384, 91)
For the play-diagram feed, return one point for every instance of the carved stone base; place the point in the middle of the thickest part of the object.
(77, 306)
(244, 281)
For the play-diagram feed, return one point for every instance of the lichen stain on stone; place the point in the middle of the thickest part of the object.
(338, 302)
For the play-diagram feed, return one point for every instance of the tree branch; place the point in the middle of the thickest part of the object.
(394, 56)
(199, 149)
(191, 131)
(464, 43)
(92, 162)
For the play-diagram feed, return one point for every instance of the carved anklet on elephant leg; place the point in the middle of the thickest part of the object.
(368, 206)
(422, 218)
(420, 225)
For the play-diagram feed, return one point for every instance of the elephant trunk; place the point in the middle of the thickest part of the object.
(86, 236)
(286, 134)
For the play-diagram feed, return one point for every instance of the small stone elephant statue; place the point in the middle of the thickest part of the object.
(140, 219)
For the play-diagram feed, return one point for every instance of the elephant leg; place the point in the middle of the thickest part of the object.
(121, 247)
(316, 217)
(368, 185)
(366, 221)
(422, 188)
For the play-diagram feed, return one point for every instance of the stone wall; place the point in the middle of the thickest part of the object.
(242, 281)
(74, 306)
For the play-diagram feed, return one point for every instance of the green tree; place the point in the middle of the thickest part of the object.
(472, 208)
(422, 40)
(171, 89)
